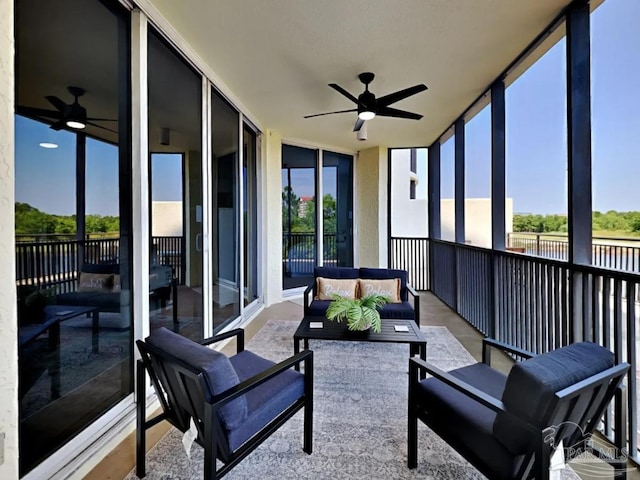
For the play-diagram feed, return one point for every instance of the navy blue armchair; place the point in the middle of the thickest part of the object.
(508, 426)
(235, 402)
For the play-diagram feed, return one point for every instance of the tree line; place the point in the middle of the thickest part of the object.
(608, 221)
(31, 221)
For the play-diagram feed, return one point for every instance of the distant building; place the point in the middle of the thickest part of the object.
(410, 210)
(302, 207)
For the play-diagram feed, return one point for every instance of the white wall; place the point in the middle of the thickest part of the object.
(477, 217)
(409, 218)
(8, 314)
(166, 219)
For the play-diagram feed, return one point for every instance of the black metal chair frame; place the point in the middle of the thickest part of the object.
(582, 403)
(178, 407)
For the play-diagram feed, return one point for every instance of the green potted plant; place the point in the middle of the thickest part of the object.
(359, 313)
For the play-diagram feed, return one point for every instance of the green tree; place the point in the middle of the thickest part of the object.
(329, 213)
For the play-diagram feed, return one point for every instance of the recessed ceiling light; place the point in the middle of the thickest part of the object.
(48, 145)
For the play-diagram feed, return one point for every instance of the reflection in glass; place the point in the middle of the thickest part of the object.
(225, 213)
(175, 139)
(337, 214)
(73, 219)
(298, 216)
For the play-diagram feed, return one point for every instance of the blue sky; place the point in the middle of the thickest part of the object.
(536, 138)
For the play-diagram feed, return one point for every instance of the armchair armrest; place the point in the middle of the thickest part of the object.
(236, 332)
(505, 347)
(463, 387)
(305, 357)
(310, 289)
(416, 364)
(416, 302)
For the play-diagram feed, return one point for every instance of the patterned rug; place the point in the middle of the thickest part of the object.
(360, 418)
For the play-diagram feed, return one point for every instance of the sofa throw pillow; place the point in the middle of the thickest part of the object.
(328, 287)
(95, 282)
(389, 288)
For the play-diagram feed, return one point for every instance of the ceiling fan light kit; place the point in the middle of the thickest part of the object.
(73, 115)
(368, 106)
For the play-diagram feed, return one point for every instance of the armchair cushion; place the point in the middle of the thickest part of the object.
(466, 423)
(532, 384)
(265, 401)
(218, 371)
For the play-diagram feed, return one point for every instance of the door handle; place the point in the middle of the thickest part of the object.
(198, 242)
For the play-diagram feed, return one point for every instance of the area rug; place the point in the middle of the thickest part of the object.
(360, 418)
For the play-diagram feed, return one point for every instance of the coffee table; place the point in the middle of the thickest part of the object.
(55, 314)
(339, 331)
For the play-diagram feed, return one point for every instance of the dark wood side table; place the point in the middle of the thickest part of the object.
(339, 331)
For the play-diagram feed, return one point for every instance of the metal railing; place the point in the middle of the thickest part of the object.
(56, 263)
(607, 252)
(299, 252)
(412, 255)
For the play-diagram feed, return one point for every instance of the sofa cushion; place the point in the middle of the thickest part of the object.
(383, 273)
(328, 287)
(398, 310)
(218, 371)
(318, 308)
(532, 384)
(95, 282)
(265, 401)
(389, 288)
(335, 272)
(465, 423)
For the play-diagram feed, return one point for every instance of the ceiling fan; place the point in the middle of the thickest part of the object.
(71, 115)
(368, 106)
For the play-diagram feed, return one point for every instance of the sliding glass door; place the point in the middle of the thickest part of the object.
(73, 219)
(175, 210)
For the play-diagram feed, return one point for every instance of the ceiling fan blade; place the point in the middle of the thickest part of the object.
(358, 125)
(38, 112)
(331, 113)
(341, 90)
(56, 102)
(100, 126)
(59, 125)
(400, 95)
(394, 112)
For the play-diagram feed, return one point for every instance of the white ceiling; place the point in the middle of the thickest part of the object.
(278, 56)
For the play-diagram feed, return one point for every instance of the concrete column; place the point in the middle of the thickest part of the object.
(8, 311)
(271, 217)
(370, 199)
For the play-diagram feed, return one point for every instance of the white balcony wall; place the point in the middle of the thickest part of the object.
(409, 218)
(166, 219)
